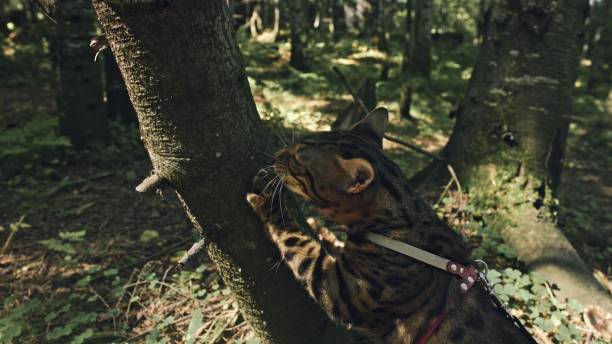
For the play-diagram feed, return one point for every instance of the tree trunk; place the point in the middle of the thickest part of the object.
(408, 37)
(118, 104)
(277, 17)
(509, 139)
(381, 37)
(338, 18)
(200, 126)
(256, 22)
(420, 48)
(296, 23)
(79, 95)
(600, 48)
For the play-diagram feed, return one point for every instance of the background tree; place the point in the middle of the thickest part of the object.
(509, 138)
(408, 35)
(79, 100)
(118, 104)
(207, 147)
(420, 45)
(296, 24)
(600, 46)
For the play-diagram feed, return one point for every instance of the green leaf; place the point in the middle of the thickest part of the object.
(547, 325)
(494, 276)
(148, 235)
(76, 236)
(512, 274)
(82, 337)
(58, 246)
(110, 272)
(506, 251)
(194, 326)
(564, 335)
(575, 305)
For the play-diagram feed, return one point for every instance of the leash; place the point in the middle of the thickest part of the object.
(469, 275)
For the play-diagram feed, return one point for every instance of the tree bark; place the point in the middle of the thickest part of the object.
(420, 48)
(509, 138)
(79, 95)
(200, 126)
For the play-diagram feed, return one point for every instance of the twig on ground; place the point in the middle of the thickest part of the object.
(446, 188)
(72, 183)
(454, 177)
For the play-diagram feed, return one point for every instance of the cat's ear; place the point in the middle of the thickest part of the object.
(373, 126)
(361, 174)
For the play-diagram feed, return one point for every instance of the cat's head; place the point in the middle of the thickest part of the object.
(338, 171)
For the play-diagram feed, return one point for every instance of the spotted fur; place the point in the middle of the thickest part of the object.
(385, 296)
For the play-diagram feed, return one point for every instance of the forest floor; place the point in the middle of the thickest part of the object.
(91, 260)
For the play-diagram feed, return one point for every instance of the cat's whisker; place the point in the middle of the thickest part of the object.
(268, 155)
(284, 134)
(281, 140)
(276, 266)
(270, 182)
(276, 194)
(275, 188)
(293, 135)
(280, 202)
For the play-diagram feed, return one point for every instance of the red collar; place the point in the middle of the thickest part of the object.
(433, 325)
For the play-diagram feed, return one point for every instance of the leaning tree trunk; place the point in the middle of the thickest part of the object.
(79, 95)
(420, 46)
(509, 139)
(200, 126)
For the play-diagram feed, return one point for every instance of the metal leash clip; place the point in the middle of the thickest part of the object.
(483, 270)
(496, 301)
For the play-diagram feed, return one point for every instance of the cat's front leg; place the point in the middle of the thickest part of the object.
(317, 270)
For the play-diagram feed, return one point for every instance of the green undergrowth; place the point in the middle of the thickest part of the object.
(528, 296)
(95, 301)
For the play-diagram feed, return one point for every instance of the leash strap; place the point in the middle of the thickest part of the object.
(468, 274)
(408, 250)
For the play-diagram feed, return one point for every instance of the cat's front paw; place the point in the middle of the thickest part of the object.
(264, 182)
(260, 197)
(255, 201)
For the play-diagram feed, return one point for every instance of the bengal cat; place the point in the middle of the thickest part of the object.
(385, 296)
